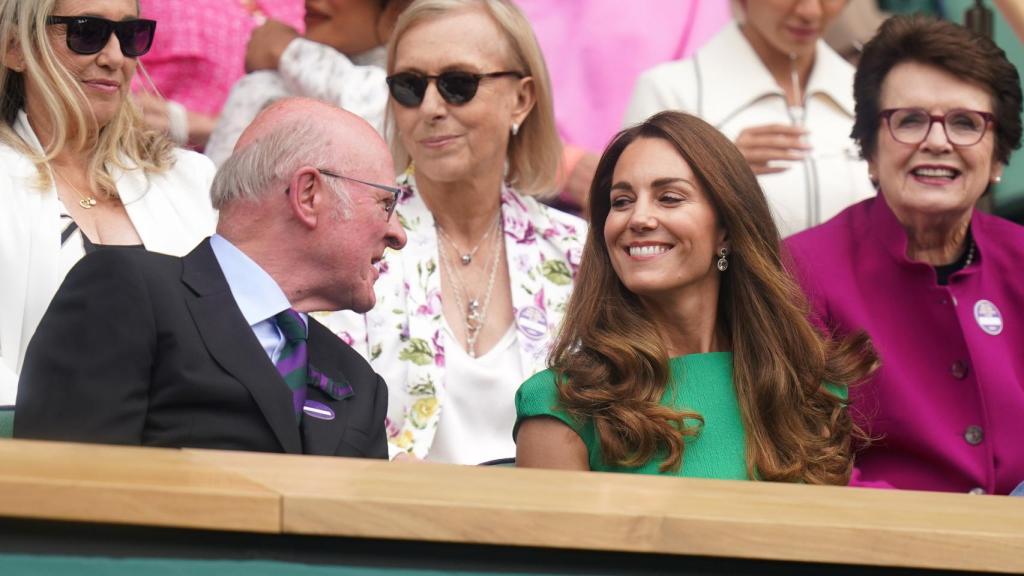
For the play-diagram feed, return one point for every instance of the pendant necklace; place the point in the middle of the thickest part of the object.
(467, 257)
(86, 202)
(474, 311)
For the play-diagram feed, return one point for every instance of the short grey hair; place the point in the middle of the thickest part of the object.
(255, 171)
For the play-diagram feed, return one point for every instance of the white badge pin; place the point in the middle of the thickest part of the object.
(988, 317)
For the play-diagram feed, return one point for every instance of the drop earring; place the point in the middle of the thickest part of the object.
(515, 129)
(723, 263)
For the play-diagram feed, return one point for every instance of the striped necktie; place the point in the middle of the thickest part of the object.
(293, 361)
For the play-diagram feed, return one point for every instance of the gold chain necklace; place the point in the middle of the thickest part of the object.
(86, 202)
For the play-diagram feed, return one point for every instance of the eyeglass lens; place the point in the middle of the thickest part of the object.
(409, 88)
(88, 35)
(389, 204)
(963, 127)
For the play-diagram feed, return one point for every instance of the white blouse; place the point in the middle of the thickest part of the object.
(481, 411)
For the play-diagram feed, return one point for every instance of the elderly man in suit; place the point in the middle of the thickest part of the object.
(215, 350)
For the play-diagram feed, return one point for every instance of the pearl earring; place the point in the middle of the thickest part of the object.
(515, 128)
(997, 179)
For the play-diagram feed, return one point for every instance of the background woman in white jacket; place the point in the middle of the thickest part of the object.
(783, 96)
(77, 169)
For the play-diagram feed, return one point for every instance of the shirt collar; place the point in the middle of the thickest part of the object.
(748, 80)
(257, 294)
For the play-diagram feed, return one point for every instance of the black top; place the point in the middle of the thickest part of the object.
(942, 273)
(88, 245)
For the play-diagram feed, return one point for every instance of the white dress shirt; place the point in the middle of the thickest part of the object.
(257, 294)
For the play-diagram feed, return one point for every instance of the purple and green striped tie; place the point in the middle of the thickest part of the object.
(293, 361)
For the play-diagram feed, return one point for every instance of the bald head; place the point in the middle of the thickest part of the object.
(296, 132)
(289, 111)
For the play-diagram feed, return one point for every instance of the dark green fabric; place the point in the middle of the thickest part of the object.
(6, 423)
(19, 565)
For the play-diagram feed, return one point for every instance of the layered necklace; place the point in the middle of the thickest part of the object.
(474, 309)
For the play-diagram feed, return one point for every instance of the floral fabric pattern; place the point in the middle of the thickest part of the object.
(403, 337)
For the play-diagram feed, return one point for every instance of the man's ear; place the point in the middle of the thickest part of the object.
(305, 196)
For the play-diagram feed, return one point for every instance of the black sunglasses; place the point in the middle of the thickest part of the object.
(408, 88)
(88, 34)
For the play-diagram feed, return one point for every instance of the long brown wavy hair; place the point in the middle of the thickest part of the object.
(613, 367)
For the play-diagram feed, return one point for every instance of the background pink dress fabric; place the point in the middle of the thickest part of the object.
(595, 49)
(199, 50)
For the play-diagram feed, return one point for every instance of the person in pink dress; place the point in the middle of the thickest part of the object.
(199, 53)
(595, 50)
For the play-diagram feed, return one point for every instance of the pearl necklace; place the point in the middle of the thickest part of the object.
(970, 254)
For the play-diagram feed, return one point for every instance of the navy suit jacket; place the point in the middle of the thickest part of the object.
(148, 349)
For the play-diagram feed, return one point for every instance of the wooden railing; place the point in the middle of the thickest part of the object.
(305, 495)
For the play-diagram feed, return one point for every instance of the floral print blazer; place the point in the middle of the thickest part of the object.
(403, 337)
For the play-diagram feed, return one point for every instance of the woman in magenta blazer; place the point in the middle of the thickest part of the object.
(933, 281)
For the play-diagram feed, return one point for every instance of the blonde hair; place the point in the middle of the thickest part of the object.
(534, 154)
(125, 142)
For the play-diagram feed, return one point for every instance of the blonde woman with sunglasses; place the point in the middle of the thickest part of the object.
(78, 171)
(468, 308)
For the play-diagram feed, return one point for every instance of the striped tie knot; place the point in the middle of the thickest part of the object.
(293, 361)
(291, 325)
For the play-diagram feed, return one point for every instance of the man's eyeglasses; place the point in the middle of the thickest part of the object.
(389, 204)
(963, 127)
(88, 34)
(456, 87)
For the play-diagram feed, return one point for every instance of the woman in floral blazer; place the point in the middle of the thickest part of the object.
(469, 308)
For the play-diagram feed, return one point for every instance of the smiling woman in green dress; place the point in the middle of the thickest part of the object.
(687, 348)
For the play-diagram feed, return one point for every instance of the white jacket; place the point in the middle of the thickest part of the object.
(170, 211)
(727, 85)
